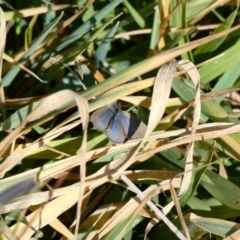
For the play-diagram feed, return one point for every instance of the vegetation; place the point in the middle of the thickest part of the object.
(173, 64)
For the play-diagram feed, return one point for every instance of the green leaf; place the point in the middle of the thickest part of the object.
(212, 208)
(211, 108)
(222, 189)
(212, 46)
(219, 227)
(226, 60)
(198, 206)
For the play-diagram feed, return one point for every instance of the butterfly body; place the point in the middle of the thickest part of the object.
(119, 125)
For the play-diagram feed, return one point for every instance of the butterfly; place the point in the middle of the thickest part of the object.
(118, 125)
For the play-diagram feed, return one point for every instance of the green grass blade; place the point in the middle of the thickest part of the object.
(42, 36)
(91, 23)
(227, 80)
(226, 61)
(205, 50)
(102, 50)
(196, 177)
(155, 29)
(51, 73)
(9, 77)
(134, 13)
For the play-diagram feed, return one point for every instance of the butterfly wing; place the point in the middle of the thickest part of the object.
(118, 125)
(133, 127)
(101, 118)
(115, 130)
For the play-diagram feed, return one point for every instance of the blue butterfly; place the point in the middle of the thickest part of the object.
(119, 125)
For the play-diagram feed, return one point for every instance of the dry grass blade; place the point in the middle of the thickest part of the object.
(11, 60)
(23, 101)
(37, 198)
(96, 73)
(86, 236)
(159, 175)
(2, 46)
(56, 224)
(207, 131)
(127, 35)
(60, 27)
(61, 228)
(138, 208)
(90, 191)
(233, 236)
(165, 56)
(75, 16)
(161, 92)
(28, 33)
(164, 7)
(7, 4)
(17, 156)
(193, 74)
(119, 166)
(202, 135)
(45, 107)
(153, 207)
(6, 231)
(43, 216)
(35, 11)
(195, 77)
(131, 205)
(179, 211)
(203, 98)
(222, 170)
(209, 9)
(83, 109)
